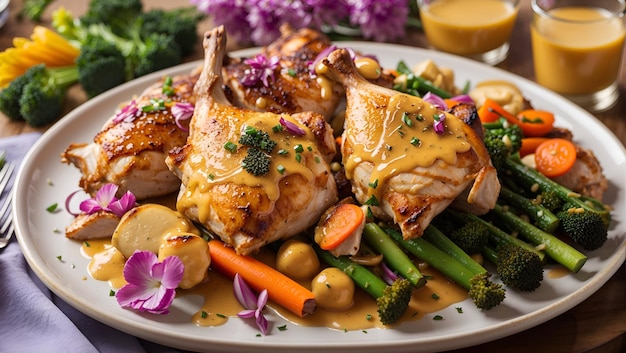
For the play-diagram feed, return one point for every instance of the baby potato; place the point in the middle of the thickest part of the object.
(193, 251)
(297, 260)
(333, 289)
(144, 228)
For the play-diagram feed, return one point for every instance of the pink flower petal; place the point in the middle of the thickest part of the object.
(151, 284)
(172, 274)
(123, 205)
(106, 194)
(138, 268)
(90, 206)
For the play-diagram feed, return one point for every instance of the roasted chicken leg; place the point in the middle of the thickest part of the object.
(224, 186)
(130, 149)
(406, 158)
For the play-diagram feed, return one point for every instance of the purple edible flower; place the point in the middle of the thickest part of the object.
(261, 68)
(151, 284)
(379, 20)
(105, 200)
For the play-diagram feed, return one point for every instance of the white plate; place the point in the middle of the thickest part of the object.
(41, 245)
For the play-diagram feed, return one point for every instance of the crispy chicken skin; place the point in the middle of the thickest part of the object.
(293, 89)
(131, 153)
(248, 211)
(409, 180)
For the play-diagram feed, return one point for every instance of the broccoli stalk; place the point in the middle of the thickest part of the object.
(518, 263)
(475, 278)
(542, 217)
(496, 235)
(392, 300)
(392, 254)
(583, 218)
(554, 247)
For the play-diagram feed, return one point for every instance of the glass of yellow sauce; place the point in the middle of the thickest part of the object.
(577, 49)
(477, 29)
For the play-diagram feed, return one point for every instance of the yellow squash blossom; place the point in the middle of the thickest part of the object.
(44, 47)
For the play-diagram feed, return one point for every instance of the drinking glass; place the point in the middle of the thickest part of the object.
(577, 49)
(477, 29)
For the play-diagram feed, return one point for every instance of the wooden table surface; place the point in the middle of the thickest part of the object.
(598, 324)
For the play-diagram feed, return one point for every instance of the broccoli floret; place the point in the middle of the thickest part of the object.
(472, 237)
(585, 227)
(392, 300)
(531, 178)
(41, 102)
(517, 267)
(550, 200)
(181, 24)
(101, 66)
(119, 15)
(10, 95)
(502, 140)
(552, 245)
(485, 294)
(155, 53)
(256, 162)
(253, 137)
(442, 254)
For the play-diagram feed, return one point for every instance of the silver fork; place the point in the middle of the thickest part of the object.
(6, 228)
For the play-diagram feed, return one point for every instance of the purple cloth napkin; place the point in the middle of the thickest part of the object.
(33, 319)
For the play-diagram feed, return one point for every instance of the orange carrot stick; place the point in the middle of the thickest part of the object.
(555, 157)
(340, 224)
(280, 288)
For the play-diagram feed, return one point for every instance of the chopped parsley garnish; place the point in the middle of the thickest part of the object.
(372, 201)
(52, 208)
(230, 147)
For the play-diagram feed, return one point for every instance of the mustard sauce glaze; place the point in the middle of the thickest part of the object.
(219, 303)
(402, 138)
(225, 167)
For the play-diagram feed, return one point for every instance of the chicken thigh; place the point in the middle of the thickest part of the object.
(404, 157)
(293, 89)
(130, 149)
(251, 177)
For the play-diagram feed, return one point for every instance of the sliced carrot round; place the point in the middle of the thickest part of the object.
(342, 222)
(535, 123)
(555, 157)
(530, 144)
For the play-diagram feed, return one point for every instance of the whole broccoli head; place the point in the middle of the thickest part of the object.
(394, 301)
(181, 24)
(157, 52)
(519, 267)
(485, 294)
(10, 95)
(101, 66)
(472, 237)
(585, 227)
(117, 14)
(41, 102)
